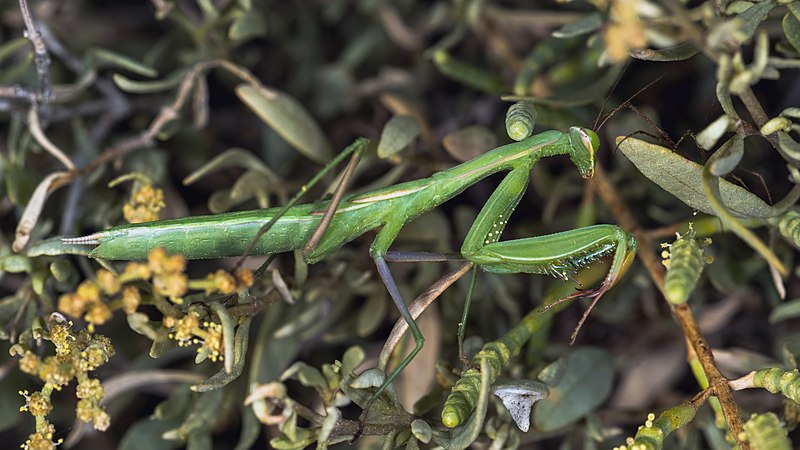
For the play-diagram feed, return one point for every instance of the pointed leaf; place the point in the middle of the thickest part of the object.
(289, 119)
(587, 24)
(684, 179)
(753, 16)
(727, 157)
(106, 58)
(146, 87)
(398, 133)
(679, 52)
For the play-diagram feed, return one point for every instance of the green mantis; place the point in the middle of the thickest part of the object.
(388, 210)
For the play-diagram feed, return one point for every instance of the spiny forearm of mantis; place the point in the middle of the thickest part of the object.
(388, 210)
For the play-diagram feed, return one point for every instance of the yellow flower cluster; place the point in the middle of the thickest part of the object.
(188, 331)
(144, 205)
(76, 354)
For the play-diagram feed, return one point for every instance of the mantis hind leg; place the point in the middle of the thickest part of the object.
(356, 148)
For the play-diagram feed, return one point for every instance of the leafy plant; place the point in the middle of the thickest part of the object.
(244, 102)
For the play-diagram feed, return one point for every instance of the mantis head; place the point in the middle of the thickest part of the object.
(583, 148)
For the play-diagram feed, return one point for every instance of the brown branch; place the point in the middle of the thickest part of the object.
(717, 383)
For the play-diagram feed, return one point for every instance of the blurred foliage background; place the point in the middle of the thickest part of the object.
(209, 106)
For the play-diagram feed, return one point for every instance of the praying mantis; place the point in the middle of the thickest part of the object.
(331, 224)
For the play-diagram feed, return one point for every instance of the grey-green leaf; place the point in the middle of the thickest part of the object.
(786, 310)
(753, 17)
(469, 142)
(678, 52)
(146, 87)
(398, 133)
(305, 374)
(586, 382)
(106, 58)
(584, 25)
(233, 157)
(684, 179)
(289, 119)
(710, 135)
(791, 29)
(727, 157)
(249, 25)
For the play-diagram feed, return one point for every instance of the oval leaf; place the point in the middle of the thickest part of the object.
(586, 382)
(289, 119)
(397, 134)
(468, 143)
(684, 179)
(791, 29)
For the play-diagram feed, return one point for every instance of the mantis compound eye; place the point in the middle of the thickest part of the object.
(587, 141)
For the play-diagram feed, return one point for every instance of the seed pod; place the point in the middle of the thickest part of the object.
(765, 432)
(789, 226)
(683, 268)
(464, 395)
(520, 120)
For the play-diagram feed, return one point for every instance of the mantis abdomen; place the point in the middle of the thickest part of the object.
(216, 236)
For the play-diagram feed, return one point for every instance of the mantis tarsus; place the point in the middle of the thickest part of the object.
(388, 210)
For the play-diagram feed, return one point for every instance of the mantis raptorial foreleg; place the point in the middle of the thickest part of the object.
(323, 227)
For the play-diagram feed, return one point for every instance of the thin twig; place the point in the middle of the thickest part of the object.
(41, 57)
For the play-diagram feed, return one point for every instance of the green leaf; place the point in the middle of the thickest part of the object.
(11, 47)
(306, 375)
(146, 433)
(587, 24)
(250, 24)
(352, 358)
(684, 179)
(585, 383)
(727, 157)
(15, 264)
(147, 87)
(679, 52)
(582, 96)
(469, 142)
(753, 16)
(289, 119)
(106, 58)
(371, 316)
(791, 29)
(786, 310)
(710, 135)
(398, 133)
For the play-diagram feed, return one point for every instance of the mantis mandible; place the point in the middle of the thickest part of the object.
(286, 229)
